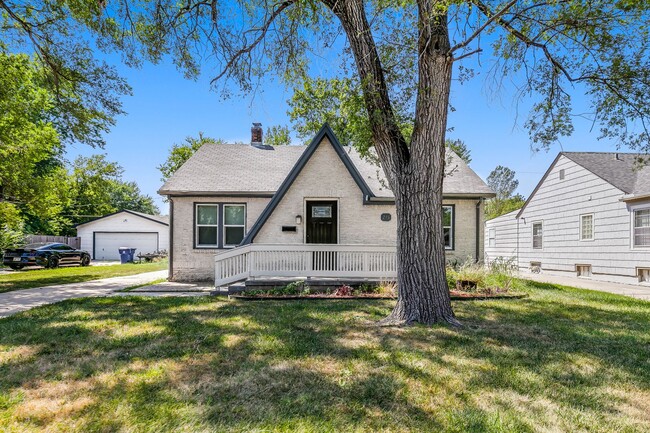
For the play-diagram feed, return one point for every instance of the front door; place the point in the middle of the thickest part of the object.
(322, 228)
(322, 223)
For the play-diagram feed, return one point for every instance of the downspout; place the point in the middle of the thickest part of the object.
(171, 239)
(478, 228)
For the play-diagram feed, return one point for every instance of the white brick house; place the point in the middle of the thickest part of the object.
(227, 196)
(589, 216)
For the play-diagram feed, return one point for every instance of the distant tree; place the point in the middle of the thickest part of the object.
(460, 148)
(127, 195)
(97, 189)
(503, 183)
(179, 153)
(277, 136)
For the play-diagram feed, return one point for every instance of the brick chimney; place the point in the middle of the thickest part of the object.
(256, 134)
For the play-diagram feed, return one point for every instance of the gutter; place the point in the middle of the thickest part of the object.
(170, 275)
(478, 229)
(629, 198)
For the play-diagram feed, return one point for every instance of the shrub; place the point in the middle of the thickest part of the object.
(344, 290)
(387, 288)
(471, 276)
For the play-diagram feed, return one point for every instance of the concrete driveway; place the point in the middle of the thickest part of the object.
(631, 290)
(21, 300)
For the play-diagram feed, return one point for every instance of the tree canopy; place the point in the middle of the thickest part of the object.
(277, 135)
(179, 153)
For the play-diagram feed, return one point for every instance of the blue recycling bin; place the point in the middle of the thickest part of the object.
(126, 255)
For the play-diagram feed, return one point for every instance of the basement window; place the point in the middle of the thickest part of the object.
(643, 274)
(583, 270)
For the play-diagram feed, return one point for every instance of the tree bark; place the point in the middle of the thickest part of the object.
(415, 172)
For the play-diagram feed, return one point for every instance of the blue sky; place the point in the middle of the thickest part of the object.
(165, 108)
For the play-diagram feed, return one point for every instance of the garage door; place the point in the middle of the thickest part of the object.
(107, 245)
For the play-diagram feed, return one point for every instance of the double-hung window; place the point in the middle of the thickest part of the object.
(587, 227)
(207, 225)
(219, 225)
(448, 226)
(642, 228)
(537, 235)
(492, 237)
(234, 224)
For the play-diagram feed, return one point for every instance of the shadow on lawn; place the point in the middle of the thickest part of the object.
(168, 364)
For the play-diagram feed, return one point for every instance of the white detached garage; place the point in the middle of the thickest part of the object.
(103, 237)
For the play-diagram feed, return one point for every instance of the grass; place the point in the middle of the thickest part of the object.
(560, 360)
(65, 275)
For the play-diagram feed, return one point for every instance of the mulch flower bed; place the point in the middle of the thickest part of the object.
(455, 296)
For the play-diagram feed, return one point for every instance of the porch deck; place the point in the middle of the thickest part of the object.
(336, 263)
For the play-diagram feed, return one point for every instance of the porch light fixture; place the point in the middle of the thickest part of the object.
(298, 219)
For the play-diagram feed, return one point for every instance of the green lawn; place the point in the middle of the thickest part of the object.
(560, 360)
(48, 277)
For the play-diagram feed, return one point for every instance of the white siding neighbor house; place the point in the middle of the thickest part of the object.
(239, 211)
(589, 216)
(102, 237)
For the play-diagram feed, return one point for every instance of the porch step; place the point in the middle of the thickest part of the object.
(229, 290)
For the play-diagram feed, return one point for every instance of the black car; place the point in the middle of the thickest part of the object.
(49, 255)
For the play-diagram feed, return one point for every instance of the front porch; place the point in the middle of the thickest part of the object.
(271, 263)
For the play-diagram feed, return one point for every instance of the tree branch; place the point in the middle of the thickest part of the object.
(481, 28)
(248, 48)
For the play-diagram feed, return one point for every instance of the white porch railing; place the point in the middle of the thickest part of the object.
(304, 260)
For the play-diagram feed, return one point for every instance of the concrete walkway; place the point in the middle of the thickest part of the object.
(21, 300)
(631, 290)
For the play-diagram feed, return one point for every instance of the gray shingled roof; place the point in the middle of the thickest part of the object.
(461, 181)
(233, 168)
(242, 169)
(619, 169)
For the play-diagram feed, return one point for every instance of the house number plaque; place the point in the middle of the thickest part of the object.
(385, 217)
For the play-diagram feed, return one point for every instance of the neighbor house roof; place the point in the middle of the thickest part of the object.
(244, 170)
(162, 219)
(624, 171)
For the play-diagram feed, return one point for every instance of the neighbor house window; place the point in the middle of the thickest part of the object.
(219, 225)
(644, 275)
(537, 235)
(642, 228)
(586, 227)
(448, 226)
(492, 237)
(583, 270)
(234, 224)
(562, 174)
(207, 225)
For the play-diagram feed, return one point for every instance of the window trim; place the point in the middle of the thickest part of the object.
(593, 234)
(541, 223)
(220, 225)
(224, 225)
(452, 228)
(196, 226)
(633, 228)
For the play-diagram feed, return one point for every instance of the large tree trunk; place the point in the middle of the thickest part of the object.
(414, 171)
